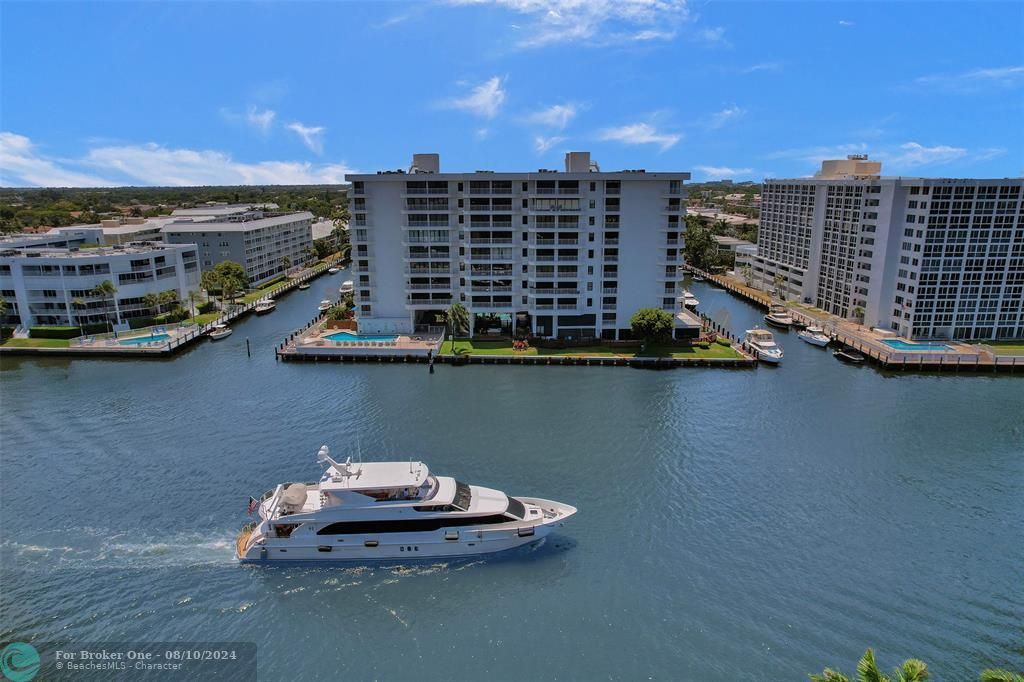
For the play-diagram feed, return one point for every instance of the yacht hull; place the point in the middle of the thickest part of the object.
(467, 541)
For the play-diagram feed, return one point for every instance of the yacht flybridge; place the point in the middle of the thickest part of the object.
(373, 511)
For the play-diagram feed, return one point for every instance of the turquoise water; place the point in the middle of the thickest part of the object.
(734, 525)
(349, 336)
(899, 344)
(136, 340)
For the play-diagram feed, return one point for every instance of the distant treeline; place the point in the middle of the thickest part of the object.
(22, 208)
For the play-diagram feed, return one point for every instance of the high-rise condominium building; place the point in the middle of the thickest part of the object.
(564, 254)
(265, 243)
(926, 257)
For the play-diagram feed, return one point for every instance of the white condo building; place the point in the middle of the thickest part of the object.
(49, 284)
(926, 257)
(259, 240)
(565, 254)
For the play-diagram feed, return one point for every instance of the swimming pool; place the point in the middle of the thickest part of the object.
(354, 337)
(899, 344)
(136, 340)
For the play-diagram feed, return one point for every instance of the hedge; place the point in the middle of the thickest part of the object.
(54, 332)
(176, 315)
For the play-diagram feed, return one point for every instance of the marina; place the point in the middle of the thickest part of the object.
(728, 539)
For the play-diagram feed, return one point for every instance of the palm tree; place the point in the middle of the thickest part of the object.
(193, 294)
(458, 320)
(209, 281)
(168, 297)
(780, 285)
(997, 675)
(3, 307)
(912, 670)
(286, 263)
(152, 301)
(77, 304)
(108, 291)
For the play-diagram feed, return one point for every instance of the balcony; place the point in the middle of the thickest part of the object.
(499, 289)
(427, 240)
(568, 306)
(493, 240)
(611, 259)
(609, 306)
(438, 270)
(534, 291)
(610, 290)
(544, 306)
(428, 287)
(429, 303)
(611, 241)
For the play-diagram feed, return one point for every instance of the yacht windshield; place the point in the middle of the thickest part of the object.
(515, 508)
(463, 496)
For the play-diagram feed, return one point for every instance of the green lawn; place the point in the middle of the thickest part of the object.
(205, 318)
(1006, 347)
(37, 343)
(505, 348)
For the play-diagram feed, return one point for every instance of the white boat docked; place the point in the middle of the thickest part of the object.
(688, 300)
(762, 342)
(386, 511)
(347, 287)
(304, 286)
(697, 278)
(779, 316)
(219, 331)
(265, 306)
(815, 336)
(325, 304)
(333, 271)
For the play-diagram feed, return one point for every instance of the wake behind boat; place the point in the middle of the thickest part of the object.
(372, 511)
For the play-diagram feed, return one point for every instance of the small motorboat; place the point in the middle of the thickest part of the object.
(219, 331)
(763, 344)
(849, 355)
(779, 316)
(815, 336)
(304, 286)
(333, 271)
(347, 287)
(325, 304)
(265, 306)
(697, 278)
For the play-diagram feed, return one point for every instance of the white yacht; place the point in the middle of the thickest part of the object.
(779, 316)
(763, 344)
(265, 306)
(304, 286)
(374, 511)
(333, 271)
(815, 336)
(689, 300)
(325, 305)
(347, 286)
(219, 331)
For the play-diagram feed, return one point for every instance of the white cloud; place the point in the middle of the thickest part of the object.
(484, 100)
(312, 136)
(482, 133)
(152, 164)
(596, 22)
(914, 154)
(714, 35)
(640, 133)
(261, 120)
(555, 116)
(543, 144)
(971, 81)
(725, 116)
(816, 155)
(21, 165)
(763, 66)
(720, 172)
(846, 22)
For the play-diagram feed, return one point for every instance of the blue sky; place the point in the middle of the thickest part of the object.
(292, 92)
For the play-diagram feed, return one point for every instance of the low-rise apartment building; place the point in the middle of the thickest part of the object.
(265, 243)
(938, 258)
(563, 254)
(52, 285)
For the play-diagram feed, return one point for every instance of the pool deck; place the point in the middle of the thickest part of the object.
(965, 357)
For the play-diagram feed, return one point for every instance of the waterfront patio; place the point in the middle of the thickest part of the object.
(316, 341)
(157, 338)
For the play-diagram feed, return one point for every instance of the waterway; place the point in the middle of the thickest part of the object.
(733, 525)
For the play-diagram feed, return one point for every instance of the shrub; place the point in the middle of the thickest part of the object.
(55, 332)
(722, 341)
(651, 324)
